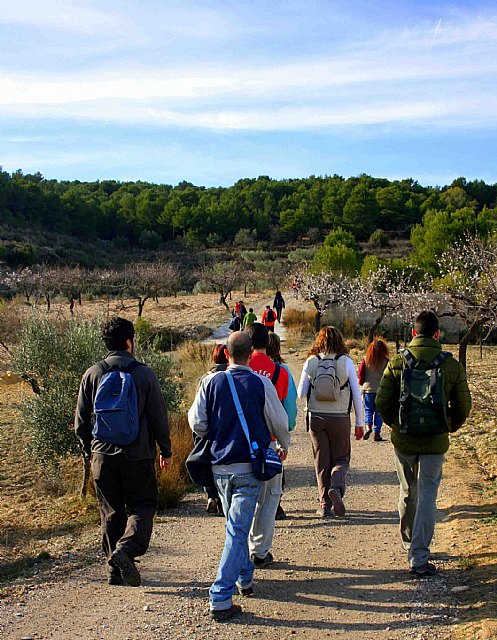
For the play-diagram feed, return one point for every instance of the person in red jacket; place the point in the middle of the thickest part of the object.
(268, 318)
(262, 531)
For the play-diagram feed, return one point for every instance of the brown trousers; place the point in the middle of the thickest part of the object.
(330, 437)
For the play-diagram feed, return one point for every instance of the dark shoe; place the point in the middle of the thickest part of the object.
(280, 513)
(246, 592)
(367, 433)
(226, 614)
(377, 438)
(125, 563)
(260, 563)
(323, 511)
(220, 511)
(115, 579)
(424, 570)
(337, 502)
(211, 506)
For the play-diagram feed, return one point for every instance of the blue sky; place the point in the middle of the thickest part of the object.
(214, 91)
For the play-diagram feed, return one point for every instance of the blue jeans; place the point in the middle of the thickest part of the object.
(239, 494)
(371, 415)
(419, 476)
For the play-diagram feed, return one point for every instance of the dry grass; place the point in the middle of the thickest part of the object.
(174, 482)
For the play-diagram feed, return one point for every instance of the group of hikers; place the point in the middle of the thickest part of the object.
(242, 418)
(241, 318)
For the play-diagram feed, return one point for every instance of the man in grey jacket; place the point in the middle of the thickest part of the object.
(124, 476)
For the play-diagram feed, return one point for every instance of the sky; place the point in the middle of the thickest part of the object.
(213, 91)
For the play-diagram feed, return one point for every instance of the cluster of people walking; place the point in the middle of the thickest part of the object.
(241, 318)
(242, 418)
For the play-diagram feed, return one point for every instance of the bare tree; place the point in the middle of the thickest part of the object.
(25, 281)
(145, 280)
(221, 278)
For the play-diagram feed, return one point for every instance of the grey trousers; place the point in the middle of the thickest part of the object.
(262, 530)
(419, 476)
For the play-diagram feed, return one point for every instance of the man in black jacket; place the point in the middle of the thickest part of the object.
(124, 476)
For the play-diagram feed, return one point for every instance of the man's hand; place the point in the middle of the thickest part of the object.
(282, 454)
(165, 463)
(359, 433)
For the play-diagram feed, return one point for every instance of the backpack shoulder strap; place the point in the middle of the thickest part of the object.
(129, 368)
(276, 374)
(409, 359)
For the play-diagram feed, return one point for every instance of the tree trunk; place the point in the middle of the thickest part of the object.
(222, 299)
(465, 340)
(80, 299)
(141, 304)
(317, 321)
(49, 303)
(373, 328)
(71, 306)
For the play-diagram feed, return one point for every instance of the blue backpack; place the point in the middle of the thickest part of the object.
(115, 410)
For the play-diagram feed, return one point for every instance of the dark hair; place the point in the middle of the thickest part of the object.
(239, 346)
(329, 340)
(219, 354)
(376, 355)
(259, 335)
(251, 310)
(116, 332)
(274, 347)
(426, 324)
(278, 293)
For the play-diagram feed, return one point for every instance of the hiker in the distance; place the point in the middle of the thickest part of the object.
(122, 447)
(242, 309)
(250, 318)
(268, 318)
(278, 304)
(329, 382)
(236, 322)
(370, 371)
(435, 402)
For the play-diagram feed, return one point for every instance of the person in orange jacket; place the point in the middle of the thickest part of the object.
(268, 318)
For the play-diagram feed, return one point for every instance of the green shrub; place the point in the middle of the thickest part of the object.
(55, 354)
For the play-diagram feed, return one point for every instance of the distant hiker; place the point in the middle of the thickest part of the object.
(242, 309)
(423, 395)
(262, 531)
(236, 322)
(329, 382)
(278, 304)
(289, 401)
(214, 413)
(122, 447)
(370, 371)
(250, 318)
(268, 318)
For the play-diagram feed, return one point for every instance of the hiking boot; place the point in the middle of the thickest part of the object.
(323, 511)
(226, 614)
(367, 433)
(220, 510)
(260, 563)
(377, 438)
(126, 564)
(246, 592)
(211, 506)
(424, 570)
(337, 502)
(114, 577)
(280, 513)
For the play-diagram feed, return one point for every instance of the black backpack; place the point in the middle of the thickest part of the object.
(422, 401)
(270, 317)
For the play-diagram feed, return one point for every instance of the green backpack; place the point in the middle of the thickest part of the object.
(423, 405)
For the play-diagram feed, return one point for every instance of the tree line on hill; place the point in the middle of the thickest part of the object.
(261, 209)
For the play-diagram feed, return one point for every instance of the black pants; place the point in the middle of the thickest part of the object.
(127, 500)
(278, 313)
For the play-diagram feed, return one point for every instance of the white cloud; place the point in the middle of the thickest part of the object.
(65, 15)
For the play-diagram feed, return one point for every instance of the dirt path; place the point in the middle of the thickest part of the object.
(331, 578)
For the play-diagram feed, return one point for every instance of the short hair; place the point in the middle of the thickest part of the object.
(239, 346)
(426, 324)
(116, 332)
(259, 335)
(251, 310)
(219, 354)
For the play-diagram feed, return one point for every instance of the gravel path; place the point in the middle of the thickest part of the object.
(331, 578)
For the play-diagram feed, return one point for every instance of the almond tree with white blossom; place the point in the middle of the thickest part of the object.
(468, 279)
